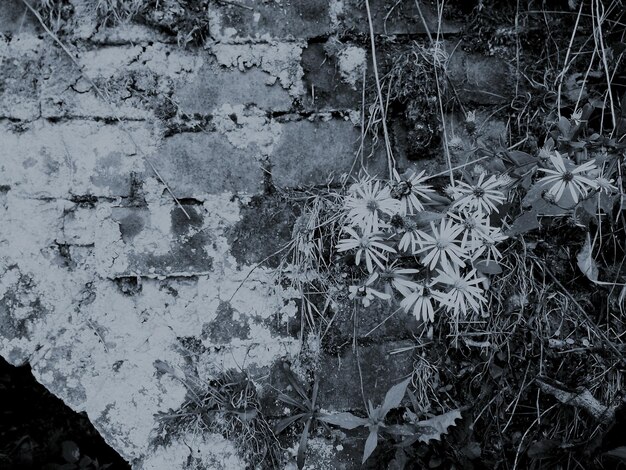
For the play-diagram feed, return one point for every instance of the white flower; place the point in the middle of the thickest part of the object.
(482, 196)
(396, 277)
(368, 246)
(464, 291)
(366, 202)
(443, 246)
(420, 301)
(409, 192)
(605, 185)
(576, 116)
(410, 239)
(366, 293)
(489, 242)
(568, 176)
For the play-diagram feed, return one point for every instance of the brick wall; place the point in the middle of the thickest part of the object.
(102, 273)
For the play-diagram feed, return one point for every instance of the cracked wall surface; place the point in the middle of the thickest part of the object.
(102, 273)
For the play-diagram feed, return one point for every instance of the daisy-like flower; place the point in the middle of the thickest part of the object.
(443, 246)
(483, 196)
(398, 278)
(409, 191)
(366, 293)
(421, 301)
(366, 202)
(605, 185)
(464, 291)
(489, 242)
(369, 246)
(568, 176)
(475, 228)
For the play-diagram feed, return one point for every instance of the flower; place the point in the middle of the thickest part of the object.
(443, 245)
(366, 203)
(481, 197)
(396, 277)
(368, 245)
(409, 191)
(420, 301)
(479, 235)
(568, 176)
(367, 293)
(489, 242)
(605, 185)
(464, 290)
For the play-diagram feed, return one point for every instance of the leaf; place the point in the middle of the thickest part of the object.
(394, 396)
(424, 218)
(344, 419)
(70, 451)
(564, 126)
(488, 267)
(521, 159)
(304, 439)
(286, 422)
(586, 263)
(370, 443)
(523, 224)
(543, 449)
(433, 428)
(618, 453)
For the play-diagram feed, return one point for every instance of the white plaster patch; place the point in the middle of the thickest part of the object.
(352, 64)
(280, 60)
(253, 129)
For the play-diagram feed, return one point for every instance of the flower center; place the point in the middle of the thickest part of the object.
(568, 176)
(479, 192)
(442, 244)
(372, 205)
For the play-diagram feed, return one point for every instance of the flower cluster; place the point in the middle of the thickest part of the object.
(416, 246)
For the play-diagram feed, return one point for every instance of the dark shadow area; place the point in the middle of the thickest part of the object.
(38, 431)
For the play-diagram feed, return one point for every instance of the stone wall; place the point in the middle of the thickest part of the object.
(103, 273)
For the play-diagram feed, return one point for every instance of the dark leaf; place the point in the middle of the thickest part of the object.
(521, 159)
(286, 422)
(304, 439)
(543, 449)
(523, 224)
(70, 451)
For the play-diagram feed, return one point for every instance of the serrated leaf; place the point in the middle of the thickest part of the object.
(433, 428)
(344, 419)
(488, 267)
(586, 263)
(370, 444)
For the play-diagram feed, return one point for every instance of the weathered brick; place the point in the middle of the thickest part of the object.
(47, 159)
(325, 88)
(15, 19)
(215, 86)
(339, 384)
(300, 19)
(480, 79)
(311, 151)
(20, 76)
(163, 241)
(195, 164)
(391, 17)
